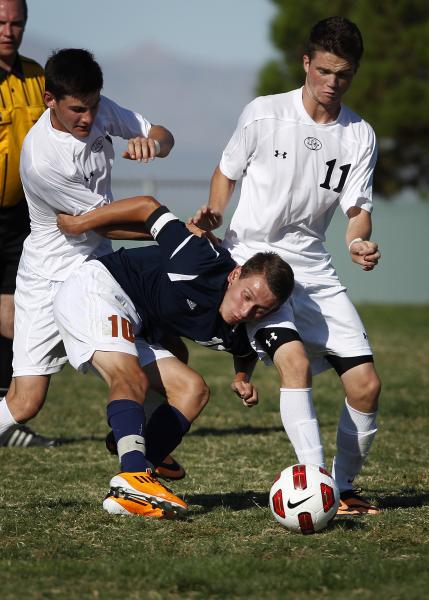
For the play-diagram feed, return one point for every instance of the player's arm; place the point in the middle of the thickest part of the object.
(158, 143)
(241, 384)
(210, 216)
(362, 251)
(130, 213)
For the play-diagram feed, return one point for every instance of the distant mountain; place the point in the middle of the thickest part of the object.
(198, 102)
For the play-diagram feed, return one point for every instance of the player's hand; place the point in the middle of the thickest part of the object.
(206, 218)
(68, 224)
(246, 391)
(141, 149)
(366, 254)
(202, 233)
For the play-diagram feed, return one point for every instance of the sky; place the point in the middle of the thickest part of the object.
(217, 31)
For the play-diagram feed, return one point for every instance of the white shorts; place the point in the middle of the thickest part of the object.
(326, 321)
(37, 345)
(94, 313)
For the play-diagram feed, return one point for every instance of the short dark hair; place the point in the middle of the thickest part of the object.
(24, 9)
(277, 272)
(72, 72)
(338, 36)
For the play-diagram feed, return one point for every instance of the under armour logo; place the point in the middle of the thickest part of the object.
(90, 175)
(191, 304)
(270, 339)
(277, 153)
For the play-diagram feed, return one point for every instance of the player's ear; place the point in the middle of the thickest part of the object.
(306, 62)
(235, 274)
(49, 99)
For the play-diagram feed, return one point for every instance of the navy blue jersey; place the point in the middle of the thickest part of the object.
(177, 286)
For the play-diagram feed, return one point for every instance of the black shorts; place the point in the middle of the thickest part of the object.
(14, 228)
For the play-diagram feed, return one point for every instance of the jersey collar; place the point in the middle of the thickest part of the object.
(17, 70)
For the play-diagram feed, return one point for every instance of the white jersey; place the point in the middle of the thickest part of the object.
(61, 173)
(295, 173)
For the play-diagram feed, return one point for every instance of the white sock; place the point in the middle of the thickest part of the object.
(356, 432)
(6, 419)
(301, 425)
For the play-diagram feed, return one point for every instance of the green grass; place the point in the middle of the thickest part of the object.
(57, 542)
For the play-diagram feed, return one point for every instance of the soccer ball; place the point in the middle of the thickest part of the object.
(304, 498)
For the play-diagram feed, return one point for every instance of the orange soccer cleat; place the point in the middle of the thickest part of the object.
(144, 486)
(116, 505)
(351, 503)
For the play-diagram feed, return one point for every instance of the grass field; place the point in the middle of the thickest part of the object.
(56, 541)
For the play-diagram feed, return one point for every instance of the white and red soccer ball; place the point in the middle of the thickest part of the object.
(304, 498)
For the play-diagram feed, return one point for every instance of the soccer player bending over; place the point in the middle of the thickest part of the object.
(113, 312)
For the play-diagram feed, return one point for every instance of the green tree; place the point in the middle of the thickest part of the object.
(391, 88)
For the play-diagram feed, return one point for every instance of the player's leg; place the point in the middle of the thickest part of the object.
(168, 468)
(277, 337)
(96, 320)
(6, 335)
(348, 351)
(357, 429)
(38, 353)
(14, 228)
(296, 403)
(135, 484)
(183, 394)
(186, 393)
(23, 401)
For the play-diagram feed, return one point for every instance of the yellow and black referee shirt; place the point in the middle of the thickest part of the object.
(21, 104)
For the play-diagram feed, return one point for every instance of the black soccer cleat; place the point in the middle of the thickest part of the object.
(21, 436)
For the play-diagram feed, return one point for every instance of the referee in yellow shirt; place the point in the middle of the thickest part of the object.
(21, 104)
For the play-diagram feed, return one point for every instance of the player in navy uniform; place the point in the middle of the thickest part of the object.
(185, 286)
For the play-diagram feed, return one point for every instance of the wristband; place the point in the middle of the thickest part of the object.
(157, 147)
(355, 240)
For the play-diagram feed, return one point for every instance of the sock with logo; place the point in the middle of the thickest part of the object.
(300, 422)
(127, 420)
(164, 432)
(355, 434)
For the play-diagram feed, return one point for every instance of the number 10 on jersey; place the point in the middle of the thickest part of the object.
(126, 328)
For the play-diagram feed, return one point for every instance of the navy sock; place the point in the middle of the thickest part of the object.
(127, 419)
(164, 432)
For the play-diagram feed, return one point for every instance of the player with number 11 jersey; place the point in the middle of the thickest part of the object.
(280, 150)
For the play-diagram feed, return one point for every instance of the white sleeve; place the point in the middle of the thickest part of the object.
(122, 122)
(240, 148)
(358, 190)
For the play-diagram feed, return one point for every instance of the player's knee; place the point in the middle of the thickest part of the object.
(198, 391)
(293, 365)
(193, 396)
(365, 397)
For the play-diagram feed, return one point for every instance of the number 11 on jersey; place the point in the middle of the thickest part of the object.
(344, 172)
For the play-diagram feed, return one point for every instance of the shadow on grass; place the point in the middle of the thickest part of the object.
(409, 499)
(64, 441)
(246, 430)
(248, 500)
(234, 500)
